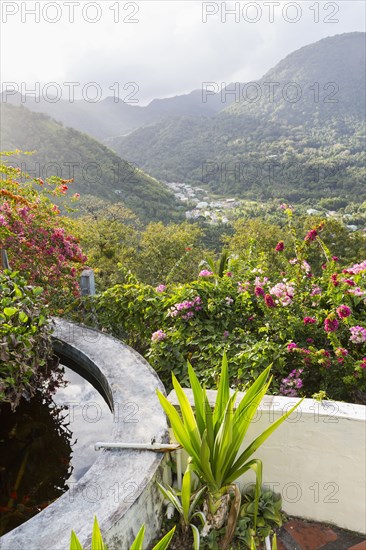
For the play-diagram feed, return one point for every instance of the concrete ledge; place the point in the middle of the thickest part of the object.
(316, 458)
(120, 487)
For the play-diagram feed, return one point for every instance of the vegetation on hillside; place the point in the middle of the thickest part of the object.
(96, 170)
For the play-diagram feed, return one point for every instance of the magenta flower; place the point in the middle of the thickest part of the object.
(291, 346)
(258, 291)
(363, 363)
(205, 273)
(335, 258)
(343, 311)
(309, 321)
(330, 325)
(341, 352)
(280, 246)
(229, 274)
(269, 301)
(311, 235)
(158, 336)
(358, 334)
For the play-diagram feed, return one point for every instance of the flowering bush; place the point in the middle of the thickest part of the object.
(312, 328)
(25, 341)
(36, 237)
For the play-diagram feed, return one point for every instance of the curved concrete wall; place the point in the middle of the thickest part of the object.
(315, 459)
(120, 487)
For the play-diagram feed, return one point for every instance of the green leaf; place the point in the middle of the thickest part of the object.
(223, 393)
(165, 541)
(180, 432)
(137, 543)
(23, 317)
(196, 537)
(74, 542)
(97, 540)
(186, 494)
(10, 311)
(169, 494)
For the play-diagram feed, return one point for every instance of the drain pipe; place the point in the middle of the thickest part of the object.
(157, 447)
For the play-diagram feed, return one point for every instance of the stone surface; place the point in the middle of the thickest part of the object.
(120, 487)
(360, 546)
(309, 536)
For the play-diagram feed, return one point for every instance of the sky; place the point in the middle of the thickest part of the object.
(146, 49)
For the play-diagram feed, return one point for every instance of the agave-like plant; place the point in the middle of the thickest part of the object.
(213, 439)
(186, 505)
(98, 544)
(163, 543)
(97, 539)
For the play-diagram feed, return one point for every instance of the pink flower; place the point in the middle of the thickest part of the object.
(341, 352)
(335, 258)
(243, 287)
(160, 288)
(188, 315)
(258, 291)
(291, 346)
(330, 325)
(358, 334)
(363, 363)
(334, 278)
(229, 300)
(226, 333)
(280, 246)
(2, 220)
(76, 196)
(309, 320)
(316, 290)
(310, 340)
(158, 336)
(343, 311)
(229, 274)
(205, 273)
(269, 301)
(356, 291)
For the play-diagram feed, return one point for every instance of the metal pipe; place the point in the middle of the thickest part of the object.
(157, 447)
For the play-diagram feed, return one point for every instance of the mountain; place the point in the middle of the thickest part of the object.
(112, 117)
(97, 171)
(297, 133)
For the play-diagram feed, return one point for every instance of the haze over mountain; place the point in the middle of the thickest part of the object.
(297, 133)
(68, 153)
(113, 117)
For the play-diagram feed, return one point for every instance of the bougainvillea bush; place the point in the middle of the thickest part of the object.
(312, 328)
(36, 237)
(26, 356)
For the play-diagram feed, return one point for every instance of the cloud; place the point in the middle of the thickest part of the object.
(170, 50)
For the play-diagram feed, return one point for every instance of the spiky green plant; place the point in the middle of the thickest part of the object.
(213, 439)
(186, 505)
(98, 544)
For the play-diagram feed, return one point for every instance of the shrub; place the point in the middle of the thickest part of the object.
(36, 237)
(26, 357)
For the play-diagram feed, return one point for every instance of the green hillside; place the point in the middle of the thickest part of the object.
(273, 146)
(97, 171)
